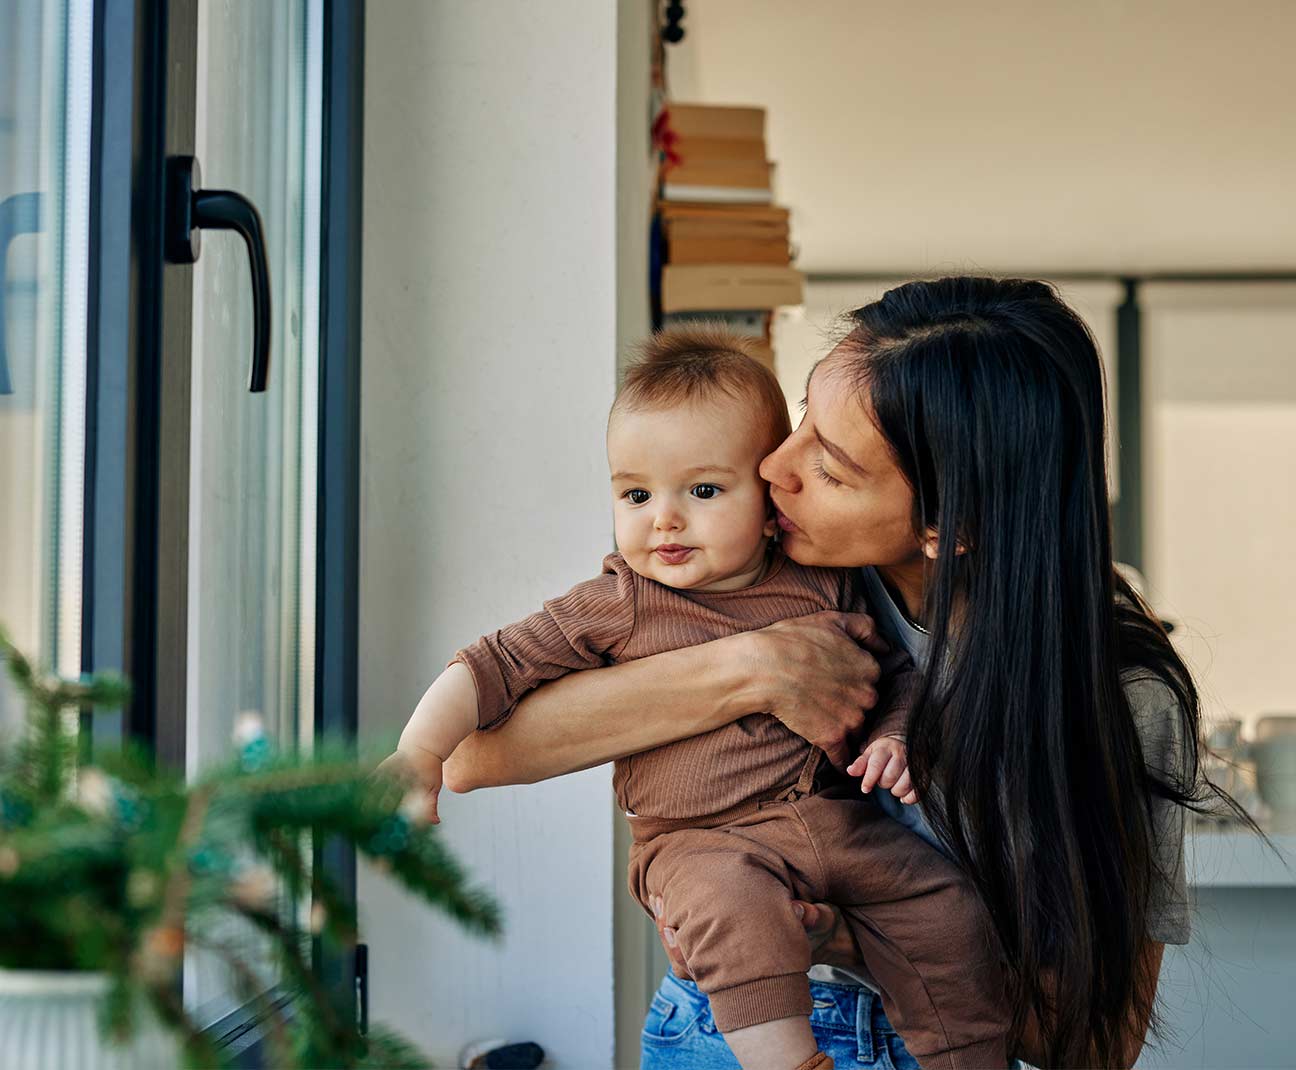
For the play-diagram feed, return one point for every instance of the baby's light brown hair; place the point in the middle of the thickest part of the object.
(700, 363)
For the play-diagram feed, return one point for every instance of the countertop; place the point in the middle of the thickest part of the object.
(1232, 857)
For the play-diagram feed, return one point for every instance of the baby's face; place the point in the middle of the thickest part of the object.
(690, 509)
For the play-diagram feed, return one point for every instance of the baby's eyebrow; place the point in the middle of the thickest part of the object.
(723, 469)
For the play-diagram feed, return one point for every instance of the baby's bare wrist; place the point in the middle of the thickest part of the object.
(417, 750)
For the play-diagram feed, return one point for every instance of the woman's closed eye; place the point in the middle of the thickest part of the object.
(819, 471)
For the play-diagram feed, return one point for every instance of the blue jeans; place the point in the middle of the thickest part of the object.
(680, 1034)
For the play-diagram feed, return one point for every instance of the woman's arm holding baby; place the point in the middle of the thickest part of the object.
(812, 672)
(587, 718)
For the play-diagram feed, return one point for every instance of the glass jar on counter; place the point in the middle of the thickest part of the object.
(1228, 763)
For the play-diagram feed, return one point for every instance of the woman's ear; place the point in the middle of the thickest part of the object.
(931, 545)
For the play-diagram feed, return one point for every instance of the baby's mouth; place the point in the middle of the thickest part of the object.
(673, 553)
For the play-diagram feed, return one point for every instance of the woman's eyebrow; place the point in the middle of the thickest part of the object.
(838, 454)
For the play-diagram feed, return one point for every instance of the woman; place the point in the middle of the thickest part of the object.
(952, 446)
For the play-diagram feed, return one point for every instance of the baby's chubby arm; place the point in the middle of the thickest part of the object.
(484, 683)
(443, 718)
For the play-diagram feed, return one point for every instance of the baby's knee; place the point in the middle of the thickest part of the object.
(733, 884)
(721, 872)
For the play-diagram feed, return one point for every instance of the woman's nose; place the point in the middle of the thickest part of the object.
(777, 472)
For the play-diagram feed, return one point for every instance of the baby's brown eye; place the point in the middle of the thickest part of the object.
(705, 491)
(637, 496)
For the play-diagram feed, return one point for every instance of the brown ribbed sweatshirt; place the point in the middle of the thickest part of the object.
(620, 616)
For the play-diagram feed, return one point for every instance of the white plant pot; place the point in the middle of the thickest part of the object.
(49, 1020)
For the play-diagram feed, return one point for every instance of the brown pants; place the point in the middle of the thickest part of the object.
(924, 934)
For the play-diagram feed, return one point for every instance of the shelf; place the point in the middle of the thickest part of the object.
(1237, 859)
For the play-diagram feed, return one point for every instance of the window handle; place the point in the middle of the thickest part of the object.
(19, 214)
(191, 209)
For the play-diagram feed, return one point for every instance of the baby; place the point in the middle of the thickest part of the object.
(729, 826)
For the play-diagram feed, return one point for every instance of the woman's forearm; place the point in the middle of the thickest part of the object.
(597, 715)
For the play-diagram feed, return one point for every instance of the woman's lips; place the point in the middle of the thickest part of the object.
(784, 522)
(673, 554)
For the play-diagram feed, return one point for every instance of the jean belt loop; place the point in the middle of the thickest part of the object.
(868, 1045)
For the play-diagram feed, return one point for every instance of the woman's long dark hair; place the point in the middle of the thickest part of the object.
(990, 394)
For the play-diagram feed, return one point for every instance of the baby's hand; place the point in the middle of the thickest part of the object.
(422, 770)
(885, 761)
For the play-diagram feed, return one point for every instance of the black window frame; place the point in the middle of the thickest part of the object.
(129, 484)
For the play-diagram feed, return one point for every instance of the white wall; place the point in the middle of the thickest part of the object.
(636, 950)
(489, 358)
(1013, 135)
(1220, 472)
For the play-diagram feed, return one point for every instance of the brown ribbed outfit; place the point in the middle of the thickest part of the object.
(731, 824)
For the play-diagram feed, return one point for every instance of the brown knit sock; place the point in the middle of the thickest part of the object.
(820, 1060)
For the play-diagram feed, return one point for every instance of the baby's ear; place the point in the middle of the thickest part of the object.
(771, 528)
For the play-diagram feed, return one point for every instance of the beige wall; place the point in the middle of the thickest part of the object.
(1013, 136)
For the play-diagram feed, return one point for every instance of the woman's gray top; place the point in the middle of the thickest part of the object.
(1156, 715)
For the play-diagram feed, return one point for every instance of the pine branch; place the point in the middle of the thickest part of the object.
(122, 873)
(339, 1039)
(47, 756)
(336, 798)
(252, 989)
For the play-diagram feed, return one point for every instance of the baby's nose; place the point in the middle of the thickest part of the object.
(668, 519)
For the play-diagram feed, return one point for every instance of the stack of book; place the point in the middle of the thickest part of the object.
(727, 252)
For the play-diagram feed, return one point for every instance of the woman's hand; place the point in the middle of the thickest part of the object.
(831, 942)
(818, 675)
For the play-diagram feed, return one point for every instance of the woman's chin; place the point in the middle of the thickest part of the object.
(796, 546)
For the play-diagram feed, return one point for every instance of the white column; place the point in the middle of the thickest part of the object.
(489, 363)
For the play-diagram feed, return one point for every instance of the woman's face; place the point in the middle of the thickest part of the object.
(841, 499)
